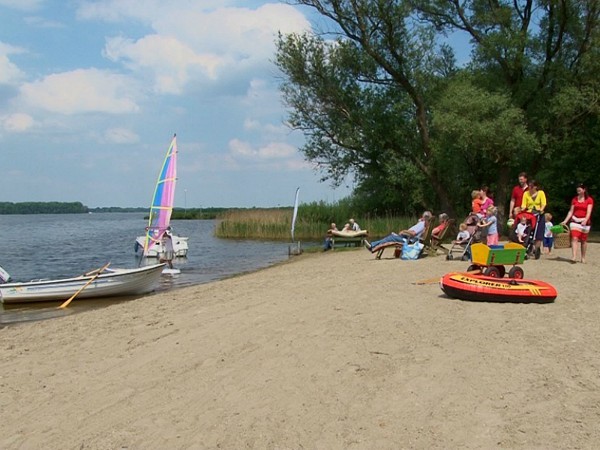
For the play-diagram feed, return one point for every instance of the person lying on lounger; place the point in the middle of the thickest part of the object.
(412, 234)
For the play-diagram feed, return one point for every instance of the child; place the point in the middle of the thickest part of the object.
(476, 202)
(522, 229)
(548, 236)
(491, 223)
(462, 238)
(463, 235)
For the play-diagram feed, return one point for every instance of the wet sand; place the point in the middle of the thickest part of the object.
(330, 351)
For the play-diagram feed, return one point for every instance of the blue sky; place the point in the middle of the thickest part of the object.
(91, 93)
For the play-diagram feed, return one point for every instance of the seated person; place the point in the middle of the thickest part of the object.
(437, 231)
(463, 235)
(328, 244)
(353, 225)
(522, 229)
(347, 228)
(462, 238)
(412, 234)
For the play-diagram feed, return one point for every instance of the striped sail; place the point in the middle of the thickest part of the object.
(164, 196)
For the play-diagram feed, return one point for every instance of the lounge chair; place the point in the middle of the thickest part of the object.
(435, 242)
(425, 237)
(348, 238)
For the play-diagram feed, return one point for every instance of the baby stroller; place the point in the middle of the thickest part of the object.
(463, 250)
(529, 235)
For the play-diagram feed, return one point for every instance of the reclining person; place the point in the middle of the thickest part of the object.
(412, 234)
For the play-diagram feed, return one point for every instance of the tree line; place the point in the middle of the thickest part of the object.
(380, 96)
(43, 208)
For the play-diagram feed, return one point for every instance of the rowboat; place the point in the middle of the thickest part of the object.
(467, 286)
(111, 283)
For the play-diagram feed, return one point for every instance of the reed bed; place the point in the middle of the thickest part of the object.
(312, 223)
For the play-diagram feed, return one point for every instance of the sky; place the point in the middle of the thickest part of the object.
(91, 93)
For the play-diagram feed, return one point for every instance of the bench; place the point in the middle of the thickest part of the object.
(358, 241)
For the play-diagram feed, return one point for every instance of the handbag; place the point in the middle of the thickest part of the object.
(411, 251)
(562, 240)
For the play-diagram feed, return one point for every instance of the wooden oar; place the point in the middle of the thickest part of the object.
(435, 280)
(96, 275)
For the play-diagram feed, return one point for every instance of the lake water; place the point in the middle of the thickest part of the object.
(65, 245)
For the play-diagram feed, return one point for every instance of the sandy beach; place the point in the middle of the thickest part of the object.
(334, 350)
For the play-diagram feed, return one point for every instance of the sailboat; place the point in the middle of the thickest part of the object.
(150, 245)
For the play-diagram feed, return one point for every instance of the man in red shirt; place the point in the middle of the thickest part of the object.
(517, 194)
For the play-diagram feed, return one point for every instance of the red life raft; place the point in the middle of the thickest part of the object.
(466, 286)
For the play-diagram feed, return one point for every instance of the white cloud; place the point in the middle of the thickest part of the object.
(171, 63)
(9, 72)
(81, 91)
(22, 5)
(195, 40)
(272, 150)
(121, 136)
(17, 123)
(42, 22)
(263, 96)
(277, 150)
(252, 125)
(267, 130)
(240, 148)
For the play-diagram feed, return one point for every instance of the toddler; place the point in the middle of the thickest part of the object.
(522, 229)
(463, 234)
(548, 236)
(476, 202)
(491, 223)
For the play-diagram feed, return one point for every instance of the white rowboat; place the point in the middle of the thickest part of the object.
(112, 283)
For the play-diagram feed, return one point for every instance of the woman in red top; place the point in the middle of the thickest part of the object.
(580, 216)
(437, 231)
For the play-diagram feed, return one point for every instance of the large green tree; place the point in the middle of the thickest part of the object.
(367, 89)
(362, 98)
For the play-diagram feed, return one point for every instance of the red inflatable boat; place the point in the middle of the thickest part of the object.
(489, 289)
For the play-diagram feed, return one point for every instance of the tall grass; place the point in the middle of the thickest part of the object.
(313, 221)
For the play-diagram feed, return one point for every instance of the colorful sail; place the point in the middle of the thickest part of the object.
(164, 196)
(295, 215)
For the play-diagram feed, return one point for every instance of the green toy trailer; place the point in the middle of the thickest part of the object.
(491, 260)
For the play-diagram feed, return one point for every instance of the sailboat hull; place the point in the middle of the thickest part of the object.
(180, 247)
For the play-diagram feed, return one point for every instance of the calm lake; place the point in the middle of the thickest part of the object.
(65, 245)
